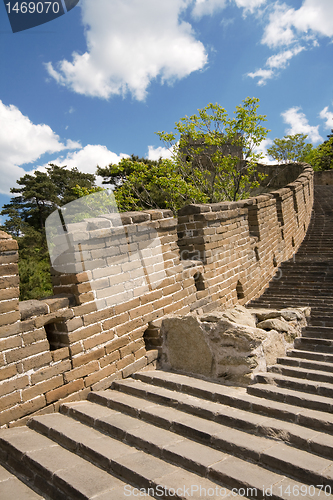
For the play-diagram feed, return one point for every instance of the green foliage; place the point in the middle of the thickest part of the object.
(290, 149)
(146, 184)
(37, 197)
(216, 153)
(213, 159)
(321, 157)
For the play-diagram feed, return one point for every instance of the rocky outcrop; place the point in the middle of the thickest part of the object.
(230, 345)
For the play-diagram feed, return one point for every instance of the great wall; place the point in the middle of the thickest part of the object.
(160, 430)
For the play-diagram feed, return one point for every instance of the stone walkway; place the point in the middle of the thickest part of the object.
(166, 435)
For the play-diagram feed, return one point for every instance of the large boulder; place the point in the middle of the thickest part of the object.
(217, 348)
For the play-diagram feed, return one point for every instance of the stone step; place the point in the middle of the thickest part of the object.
(12, 488)
(248, 421)
(302, 373)
(237, 398)
(318, 332)
(314, 344)
(140, 454)
(291, 397)
(306, 364)
(281, 457)
(155, 466)
(318, 388)
(315, 356)
(57, 472)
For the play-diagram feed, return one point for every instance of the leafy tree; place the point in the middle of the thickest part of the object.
(290, 149)
(214, 159)
(216, 153)
(144, 184)
(321, 157)
(39, 194)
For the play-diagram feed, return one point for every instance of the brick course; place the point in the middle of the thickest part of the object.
(94, 331)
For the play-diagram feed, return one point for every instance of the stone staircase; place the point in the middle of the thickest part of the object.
(167, 435)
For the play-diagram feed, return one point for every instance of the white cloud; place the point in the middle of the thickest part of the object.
(209, 7)
(299, 124)
(262, 74)
(287, 25)
(275, 62)
(328, 116)
(129, 44)
(262, 148)
(281, 60)
(87, 159)
(23, 142)
(159, 152)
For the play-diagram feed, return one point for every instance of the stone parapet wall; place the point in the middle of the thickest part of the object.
(241, 244)
(115, 277)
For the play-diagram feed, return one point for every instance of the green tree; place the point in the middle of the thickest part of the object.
(214, 159)
(217, 154)
(39, 195)
(290, 149)
(145, 184)
(321, 157)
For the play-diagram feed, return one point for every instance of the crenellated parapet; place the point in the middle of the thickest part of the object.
(116, 275)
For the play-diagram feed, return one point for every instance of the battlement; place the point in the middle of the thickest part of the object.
(115, 276)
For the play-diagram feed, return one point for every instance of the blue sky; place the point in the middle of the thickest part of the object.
(96, 83)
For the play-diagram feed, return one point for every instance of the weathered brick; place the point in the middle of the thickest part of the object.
(122, 363)
(83, 298)
(9, 330)
(10, 400)
(21, 410)
(84, 309)
(97, 316)
(87, 357)
(34, 336)
(50, 371)
(8, 372)
(14, 385)
(100, 374)
(36, 361)
(140, 353)
(42, 387)
(129, 326)
(8, 244)
(110, 358)
(25, 352)
(134, 367)
(60, 354)
(76, 348)
(84, 333)
(9, 282)
(98, 339)
(115, 320)
(141, 311)
(116, 344)
(126, 306)
(10, 343)
(9, 317)
(64, 391)
(81, 371)
(8, 269)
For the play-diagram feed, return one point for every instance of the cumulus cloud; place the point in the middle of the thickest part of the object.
(299, 124)
(209, 7)
(274, 63)
(291, 31)
(87, 159)
(159, 152)
(23, 142)
(129, 44)
(328, 116)
(287, 25)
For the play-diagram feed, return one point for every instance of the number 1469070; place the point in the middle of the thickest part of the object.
(33, 7)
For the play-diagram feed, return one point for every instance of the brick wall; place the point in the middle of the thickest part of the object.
(116, 277)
